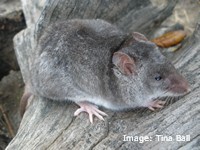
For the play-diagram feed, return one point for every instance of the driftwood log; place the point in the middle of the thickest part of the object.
(50, 124)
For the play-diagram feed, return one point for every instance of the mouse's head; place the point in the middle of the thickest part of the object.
(147, 73)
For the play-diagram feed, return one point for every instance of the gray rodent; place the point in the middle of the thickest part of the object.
(92, 62)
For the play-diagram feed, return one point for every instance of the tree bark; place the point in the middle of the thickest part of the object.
(50, 124)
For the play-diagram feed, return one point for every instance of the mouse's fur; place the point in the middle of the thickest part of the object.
(91, 60)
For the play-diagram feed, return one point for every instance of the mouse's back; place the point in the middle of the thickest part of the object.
(75, 55)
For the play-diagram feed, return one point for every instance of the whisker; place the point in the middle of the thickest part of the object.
(171, 100)
(167, 100)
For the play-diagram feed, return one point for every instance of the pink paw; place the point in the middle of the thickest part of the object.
(91, 109)
(156, 104)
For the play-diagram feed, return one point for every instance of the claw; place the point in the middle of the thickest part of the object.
(151, 108)
(78, 111)
(90, 118)
(91, 110)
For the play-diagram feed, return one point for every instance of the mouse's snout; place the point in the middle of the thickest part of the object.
(179, 85)
(181, 88)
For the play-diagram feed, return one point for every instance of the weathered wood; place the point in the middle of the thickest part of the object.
(129, 15)
(51, 125)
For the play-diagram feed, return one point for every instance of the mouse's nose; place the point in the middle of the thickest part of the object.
(181, 88)
(180, 85)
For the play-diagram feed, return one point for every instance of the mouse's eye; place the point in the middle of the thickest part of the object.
(158, 78)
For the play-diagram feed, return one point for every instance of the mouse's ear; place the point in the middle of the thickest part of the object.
(139, 37)
(125, 63)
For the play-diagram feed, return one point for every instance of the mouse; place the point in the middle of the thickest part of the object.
(95, 64)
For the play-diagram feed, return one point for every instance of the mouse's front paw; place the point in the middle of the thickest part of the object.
(156, 104)
(90, 109)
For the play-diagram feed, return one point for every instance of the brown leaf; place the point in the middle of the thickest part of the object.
(170, 38)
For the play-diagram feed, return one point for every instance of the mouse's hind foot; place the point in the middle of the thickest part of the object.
(91, 109)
